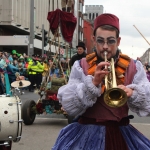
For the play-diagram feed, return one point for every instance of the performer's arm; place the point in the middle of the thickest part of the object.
(139, 102)
(80, 92)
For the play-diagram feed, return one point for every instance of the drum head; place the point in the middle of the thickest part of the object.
(11, 120)
(20, 84)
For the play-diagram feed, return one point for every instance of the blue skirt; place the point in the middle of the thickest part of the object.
(77, 136)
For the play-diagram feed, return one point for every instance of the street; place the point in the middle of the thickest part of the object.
(41, 135)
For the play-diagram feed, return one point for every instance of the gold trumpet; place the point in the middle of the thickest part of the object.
(113, 96)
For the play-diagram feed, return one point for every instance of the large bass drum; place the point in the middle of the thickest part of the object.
(10, 118)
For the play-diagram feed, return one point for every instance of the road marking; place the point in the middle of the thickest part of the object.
(141, 124)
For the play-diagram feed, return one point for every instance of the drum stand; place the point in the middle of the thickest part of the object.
(14, 90)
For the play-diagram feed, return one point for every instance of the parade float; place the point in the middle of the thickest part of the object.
(48, 103)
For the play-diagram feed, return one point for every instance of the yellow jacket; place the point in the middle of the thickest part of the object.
(46, 69)
(35, 67)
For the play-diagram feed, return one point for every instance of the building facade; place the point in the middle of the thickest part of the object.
(91, 12)
(15, 23)
(88, 35)
(146, 57)
(80, 20)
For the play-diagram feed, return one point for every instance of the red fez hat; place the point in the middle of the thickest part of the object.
(106, 19)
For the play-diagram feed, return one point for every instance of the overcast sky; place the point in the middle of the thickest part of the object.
(130, 12)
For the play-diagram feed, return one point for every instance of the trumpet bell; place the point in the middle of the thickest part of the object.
(115, 97)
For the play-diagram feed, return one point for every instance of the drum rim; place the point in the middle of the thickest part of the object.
(19, 123)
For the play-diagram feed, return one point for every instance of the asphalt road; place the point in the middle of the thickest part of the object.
(41, 135)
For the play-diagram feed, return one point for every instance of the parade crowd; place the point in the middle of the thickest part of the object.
(35, 69)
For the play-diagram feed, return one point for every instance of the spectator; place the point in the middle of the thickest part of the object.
(46, 69)
(14, 55)
(80, 53)
(2, 88)
(148, 72)
(1, 54)
(35, 69)
(54, 71)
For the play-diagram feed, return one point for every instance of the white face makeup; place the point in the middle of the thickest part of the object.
(105, 40)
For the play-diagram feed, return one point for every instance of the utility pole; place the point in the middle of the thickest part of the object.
(141, 34)
(145, 40)
(31, 43)
(42, 39)
(53, 5)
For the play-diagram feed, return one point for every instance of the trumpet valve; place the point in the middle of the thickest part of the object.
(109, 68)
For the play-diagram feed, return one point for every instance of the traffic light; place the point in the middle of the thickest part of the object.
(45, 38)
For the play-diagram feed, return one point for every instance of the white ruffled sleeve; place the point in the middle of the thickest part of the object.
(80, 93)
(139, 102)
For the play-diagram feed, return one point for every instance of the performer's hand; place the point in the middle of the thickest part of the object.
(100, 73)
(126, 89)
(20, 78)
